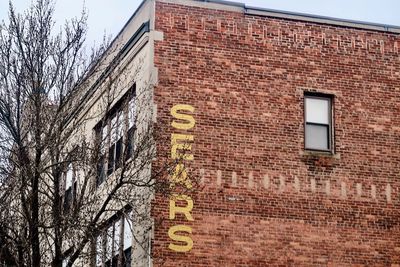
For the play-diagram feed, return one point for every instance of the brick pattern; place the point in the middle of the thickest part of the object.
(264, 200)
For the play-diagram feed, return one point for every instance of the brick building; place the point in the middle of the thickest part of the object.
(294, 127)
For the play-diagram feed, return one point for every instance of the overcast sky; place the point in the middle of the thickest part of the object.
(110, 15)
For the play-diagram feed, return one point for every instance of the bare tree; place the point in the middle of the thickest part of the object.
(58, 187)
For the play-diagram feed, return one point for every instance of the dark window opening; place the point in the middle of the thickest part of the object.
(68, 199)
(127, 257)
(101, 174)
(70, 188)
(118, 153)
(130, 142)
(110, 160)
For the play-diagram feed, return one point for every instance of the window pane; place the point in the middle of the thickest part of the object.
(114, 129)
(117, 239)
(65, 262)
(99, 250)
(68, 199)
(74, 191)
(111, 160)
(127, 257)
(120, 125)
(101, 174)
(130, 142)
(127, 231)
(131, 112)
(317, 110)
(103, 140)
(109, 243)
(68, 182)
(118, 153)
(317, 137)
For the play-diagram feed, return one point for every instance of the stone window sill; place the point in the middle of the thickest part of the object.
(326, 154)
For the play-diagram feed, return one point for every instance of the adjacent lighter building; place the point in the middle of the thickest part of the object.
(290, 123)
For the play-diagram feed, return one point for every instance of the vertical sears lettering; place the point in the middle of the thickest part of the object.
(181, 147)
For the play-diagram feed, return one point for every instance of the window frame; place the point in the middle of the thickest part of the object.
(121, 148)
(330, 130)
(114, 254)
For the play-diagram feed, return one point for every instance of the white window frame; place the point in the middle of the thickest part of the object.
(328, 125)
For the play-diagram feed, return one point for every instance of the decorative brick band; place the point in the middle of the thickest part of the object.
(273, 32)
(280, 184)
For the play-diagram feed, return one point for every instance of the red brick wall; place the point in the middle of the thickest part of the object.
(265, 201)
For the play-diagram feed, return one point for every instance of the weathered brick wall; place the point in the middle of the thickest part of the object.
(265, 201)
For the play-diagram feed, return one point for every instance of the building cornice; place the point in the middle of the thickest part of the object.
(266, 12)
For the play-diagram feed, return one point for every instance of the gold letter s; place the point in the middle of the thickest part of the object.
(181, 238)
(188, 118)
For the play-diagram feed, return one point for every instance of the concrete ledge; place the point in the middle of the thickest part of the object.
(327, 154)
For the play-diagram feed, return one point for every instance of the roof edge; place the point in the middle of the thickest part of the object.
(267, 12)
(321, 19)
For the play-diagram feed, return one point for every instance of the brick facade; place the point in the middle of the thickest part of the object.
(265, 201)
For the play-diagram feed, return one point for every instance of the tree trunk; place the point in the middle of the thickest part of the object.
(35, 243)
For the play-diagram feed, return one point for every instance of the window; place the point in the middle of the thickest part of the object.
(318, 122)
(131, 127)
(65, 262)
(114, 244)
(115, 135)
(115, 150)
(70, 188)
(101, 164)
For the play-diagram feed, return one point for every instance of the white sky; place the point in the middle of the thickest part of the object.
(110, 15)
